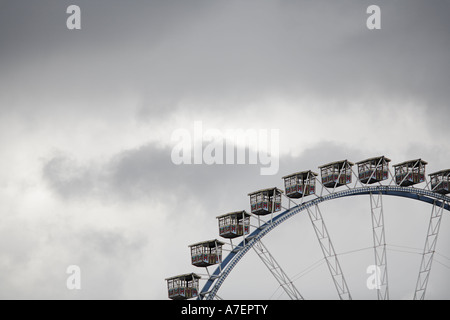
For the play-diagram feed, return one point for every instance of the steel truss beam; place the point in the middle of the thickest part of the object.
(379, 245)
(276, 270)
(429, 249)
(328, 252)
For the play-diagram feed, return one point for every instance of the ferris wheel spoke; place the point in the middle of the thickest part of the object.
(379, 245)
(329, 253)
(429, 249)
(276, 270)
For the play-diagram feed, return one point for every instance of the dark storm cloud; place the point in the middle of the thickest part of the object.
(143, 173)
(167, 51)
(148, 173)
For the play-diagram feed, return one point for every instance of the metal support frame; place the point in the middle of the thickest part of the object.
(215, 281)
(379, 245)
(329, 253)
(429, 249)
(276, 270)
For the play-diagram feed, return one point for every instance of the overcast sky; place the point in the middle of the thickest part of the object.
(86, 118)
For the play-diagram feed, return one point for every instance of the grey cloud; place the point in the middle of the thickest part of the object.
(238, 51)
(105, 258)
(143, 173)
(109, 243)
(17, 245)
(68, 177)
(35, 257)
(148, 173)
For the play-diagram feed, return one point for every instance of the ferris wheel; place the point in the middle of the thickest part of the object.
(305, 191)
